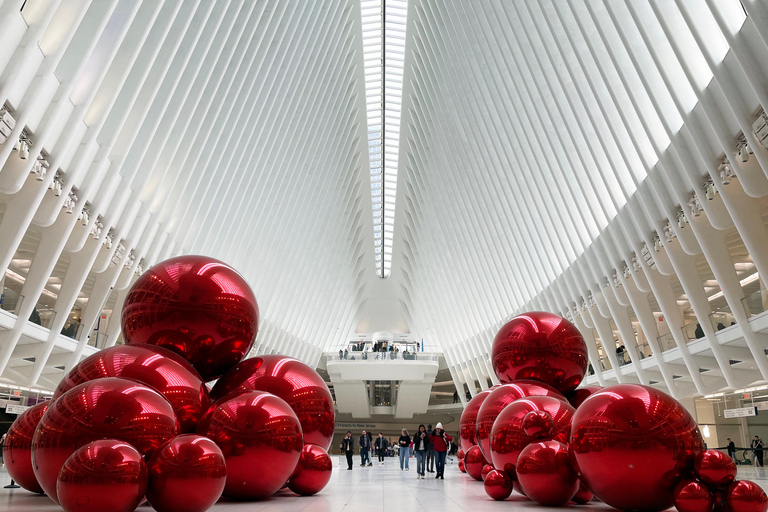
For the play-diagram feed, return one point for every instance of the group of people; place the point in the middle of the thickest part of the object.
(757, 450)
(429, 447)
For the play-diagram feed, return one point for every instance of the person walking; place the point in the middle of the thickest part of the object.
(341, 354)
(757, 449)
(381, 447)
(405, 449)
(420, 441)
(346, 354)
(731, 449)
(365, 449)
(430, 451)
(441, 440)
(348, 448)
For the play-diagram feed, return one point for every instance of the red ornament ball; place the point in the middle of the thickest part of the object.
(486, 469)
(540, 346)
(197, 307)
(293, 381)
(693, 496)
(714, 468)
(538, 425)
(102, 475)
(632, 433)
(545, 473)
(579, 395)
(508, 438)
(746, 496)
(162, 370)
(109, 408)
(312, 473)
(468, 420)
(460, 454)
(260, 437)
(497, 485)
(17, 450)
(583, 495)
(474, 462)
(187, 474)
(462, 466)
(498, 399)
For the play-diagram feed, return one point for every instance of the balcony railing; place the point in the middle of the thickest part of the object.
(10, 300)
(722, 318)
(384, 356)
(666, 342)
(692, 331)
(98, 339)
(42, 316)
(644, 351)
(72, 329)
(755, 303)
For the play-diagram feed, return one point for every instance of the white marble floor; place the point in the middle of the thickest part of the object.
(377, 488)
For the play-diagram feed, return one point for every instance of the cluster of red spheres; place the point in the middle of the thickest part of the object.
(631, 446)
(137, 422)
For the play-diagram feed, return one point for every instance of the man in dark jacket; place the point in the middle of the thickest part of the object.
(365, 449)
(348, 448)
(731, 449)
(430, 451)
(757, 449)
(381, 447)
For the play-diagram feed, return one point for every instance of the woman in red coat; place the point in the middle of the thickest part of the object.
(440, 439)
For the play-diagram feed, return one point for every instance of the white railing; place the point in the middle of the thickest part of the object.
(384, 356)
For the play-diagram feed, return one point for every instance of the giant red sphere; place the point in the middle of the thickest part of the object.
(102, 475)
(497, 485)
(540, 346)
(109, 408)
(186, 474)
(197, 307)
(17, 450)
(498, 399)
(260, 437)
(746, 496)
(633, 433)
(293, 381)
(577, 397)
(313, 472)
(474, 462)
(693, 496)
(545, 473)
(714, 468)
(162, 370)
(467, 423)
(508, 435)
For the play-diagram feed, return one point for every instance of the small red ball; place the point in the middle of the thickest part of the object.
(474, 462)
(312, 473)
(497, 485)
(583, 495)
(579, 395)
(17, 450)
(746, 496)
(462, 466)
(460, 454)
(187, 474)
(197, 307)
(545, 473)
(693, 496)
(538, 425)
(467, 423)
(540, 346)
(486, 469)
(102, 475)
(714, 468)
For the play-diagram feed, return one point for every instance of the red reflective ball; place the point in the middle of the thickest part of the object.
(17, 450)
(486, 469)
(462, 466)
(460, 454)
(508, 437)
(109, 408)
(293, 381)
(746, 496)
(498, 399)
(260, 437)
(162, 370)
(693, 496)
(545, 473)
(632, 433)
(538, 425)
(583, 495)
(187, 474)
(468, 420)
(578, 396)
(715, 468)
(102, 475)
(312, 473)
(474, 462)
(497, 485)
(197, 307)
(540, 346)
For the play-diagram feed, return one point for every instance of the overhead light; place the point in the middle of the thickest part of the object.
(57, 188)
(24, 149)
(17, 146)
(627, 273)
(744, 152)
(657, 244)
(86, 217)
(709, 190)
(760, 129)
(681, 220)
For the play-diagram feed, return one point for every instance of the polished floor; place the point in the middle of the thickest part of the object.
(377, 488)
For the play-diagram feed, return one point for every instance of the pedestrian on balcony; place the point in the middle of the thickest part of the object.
(431, 447)
(442, 442)
(381, 447)
(365, 449)
(341, 354)
(405, 449)
(346, 354)
(420, 441)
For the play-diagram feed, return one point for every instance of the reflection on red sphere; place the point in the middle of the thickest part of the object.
(474, 462)
(462, 466)
(293, 381)
(583, 495)
(187, 474)
(632, 433)
(111, 408)
(538, 425)
(312, 473)
(260, 437)
(501, 397)
(545, 473)
(540, 346)
(17, 449)
(578, 396)
(102, 475)
(508, 437)
(468, 420)
(746, 496)
(486, 469)
(460, 454)
(197, 307)
(693, 496)
(162, 370)
(715, 468)
(497, 485)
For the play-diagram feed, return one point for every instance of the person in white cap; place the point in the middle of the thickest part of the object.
(440, 439)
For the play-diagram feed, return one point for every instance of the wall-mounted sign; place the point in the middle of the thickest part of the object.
(17, 392)
(762, 406)
(742, 412)
(15, 409)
